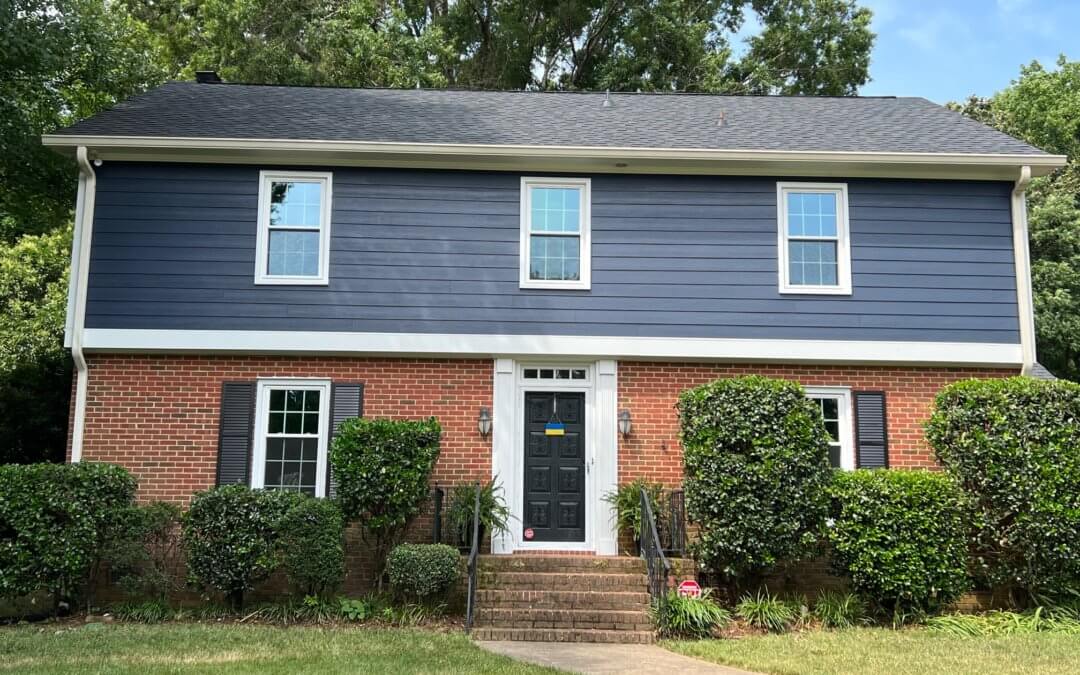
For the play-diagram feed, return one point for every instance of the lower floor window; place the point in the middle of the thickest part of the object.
(835, 405)
(292, 425)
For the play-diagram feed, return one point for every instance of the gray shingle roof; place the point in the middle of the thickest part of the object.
(1041, 372)
(187, 109)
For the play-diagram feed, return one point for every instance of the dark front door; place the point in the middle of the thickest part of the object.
(554, 466)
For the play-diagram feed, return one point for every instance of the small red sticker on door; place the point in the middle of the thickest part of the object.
(529, 533)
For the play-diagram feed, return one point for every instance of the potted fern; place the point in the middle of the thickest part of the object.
(494, 514)
(627, 503)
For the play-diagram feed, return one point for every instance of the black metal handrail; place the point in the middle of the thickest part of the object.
(474, 551)
(437, 495)
(673, 529)
(656, 562)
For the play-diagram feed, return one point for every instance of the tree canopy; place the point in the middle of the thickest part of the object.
(1042, 107)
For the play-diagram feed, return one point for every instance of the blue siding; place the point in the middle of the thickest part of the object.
(437, 252)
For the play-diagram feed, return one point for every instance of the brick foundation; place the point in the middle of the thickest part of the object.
(649, 391)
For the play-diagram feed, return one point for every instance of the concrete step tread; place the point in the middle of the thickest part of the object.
(565, 635)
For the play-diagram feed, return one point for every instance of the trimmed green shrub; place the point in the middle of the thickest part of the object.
(423, 571)
(229, 538)
(311, 538)
(494, 514)
(1012, 444)
(627, 502)
(144, 555)
(689, 617)
(756, 457)
(383, 468)
(55, 523)
(900, 536)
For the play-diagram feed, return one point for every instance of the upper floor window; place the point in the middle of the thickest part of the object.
(293, 244)
(555, 233)
(835, 404)
(292, 428)
(815, 254)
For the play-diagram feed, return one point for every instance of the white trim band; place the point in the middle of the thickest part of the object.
(424, 344)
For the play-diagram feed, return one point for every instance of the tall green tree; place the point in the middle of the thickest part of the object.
(1042, 107)
(805, 46)
(61, 60)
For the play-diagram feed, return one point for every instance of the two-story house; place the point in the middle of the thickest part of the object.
(253, 263)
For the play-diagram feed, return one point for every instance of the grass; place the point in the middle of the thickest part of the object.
(207, 648)
(877, 650)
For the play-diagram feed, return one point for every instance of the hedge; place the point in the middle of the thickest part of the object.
(757, 472)
(230, 535)
(1013, 445)
(900, 537)
(55, 520)
(423, 571)
(311, 539)
(383, 468)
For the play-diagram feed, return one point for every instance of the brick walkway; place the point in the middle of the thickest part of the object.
(607, 658)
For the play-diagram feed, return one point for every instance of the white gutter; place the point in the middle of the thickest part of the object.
(1024, 302)
(80, 255)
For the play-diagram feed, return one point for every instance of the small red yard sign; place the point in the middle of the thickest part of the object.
(690, 589)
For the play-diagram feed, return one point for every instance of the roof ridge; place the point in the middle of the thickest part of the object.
(592, 92)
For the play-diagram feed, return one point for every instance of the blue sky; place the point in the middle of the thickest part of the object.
(948, 49)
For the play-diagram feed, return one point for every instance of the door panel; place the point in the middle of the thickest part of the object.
(555, 467)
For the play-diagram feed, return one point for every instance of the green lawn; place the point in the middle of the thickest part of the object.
(875, 650)
(207, 648)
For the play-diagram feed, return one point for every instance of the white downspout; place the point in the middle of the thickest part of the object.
(84, 225)
(1024, 302)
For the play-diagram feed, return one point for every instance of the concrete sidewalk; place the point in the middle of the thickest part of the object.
(583, 657)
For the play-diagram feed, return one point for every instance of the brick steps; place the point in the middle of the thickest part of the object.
(558, 598)
(600, 619)
(545, 581)
(565, 635)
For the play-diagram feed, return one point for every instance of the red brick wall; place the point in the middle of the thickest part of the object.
(158, 415)
(649, 391)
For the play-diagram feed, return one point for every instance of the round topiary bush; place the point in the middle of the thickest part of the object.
(229, 536)
(1013, 445)
(756, 457)
(423, 571)
(900, 537)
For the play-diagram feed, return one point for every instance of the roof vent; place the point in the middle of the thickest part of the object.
(722, 119)
(207, 77)
(607, 99)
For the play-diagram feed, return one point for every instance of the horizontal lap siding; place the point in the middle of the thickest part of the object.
(437, 252)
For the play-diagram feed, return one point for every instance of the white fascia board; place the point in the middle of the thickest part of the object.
(566, 158)
(486, 346)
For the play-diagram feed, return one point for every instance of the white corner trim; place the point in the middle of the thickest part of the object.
(486, 346)
(584, 234)
(80, 273)
(1022, 257)
(262, 238)
(843, 238)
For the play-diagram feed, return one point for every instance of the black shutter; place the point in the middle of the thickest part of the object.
(347, 400)
(235, 429)
(871, 430)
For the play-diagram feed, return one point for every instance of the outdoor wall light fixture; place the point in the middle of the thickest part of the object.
(624, 424)
(484, 422)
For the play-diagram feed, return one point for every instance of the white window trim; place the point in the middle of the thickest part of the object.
(585, 235)
(843, 247)
(262, 404)
(262, 241)
(846, 421)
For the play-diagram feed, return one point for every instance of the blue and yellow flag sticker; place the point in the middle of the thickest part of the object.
(554, 429)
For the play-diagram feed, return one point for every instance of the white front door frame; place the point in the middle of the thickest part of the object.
(601, 459)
